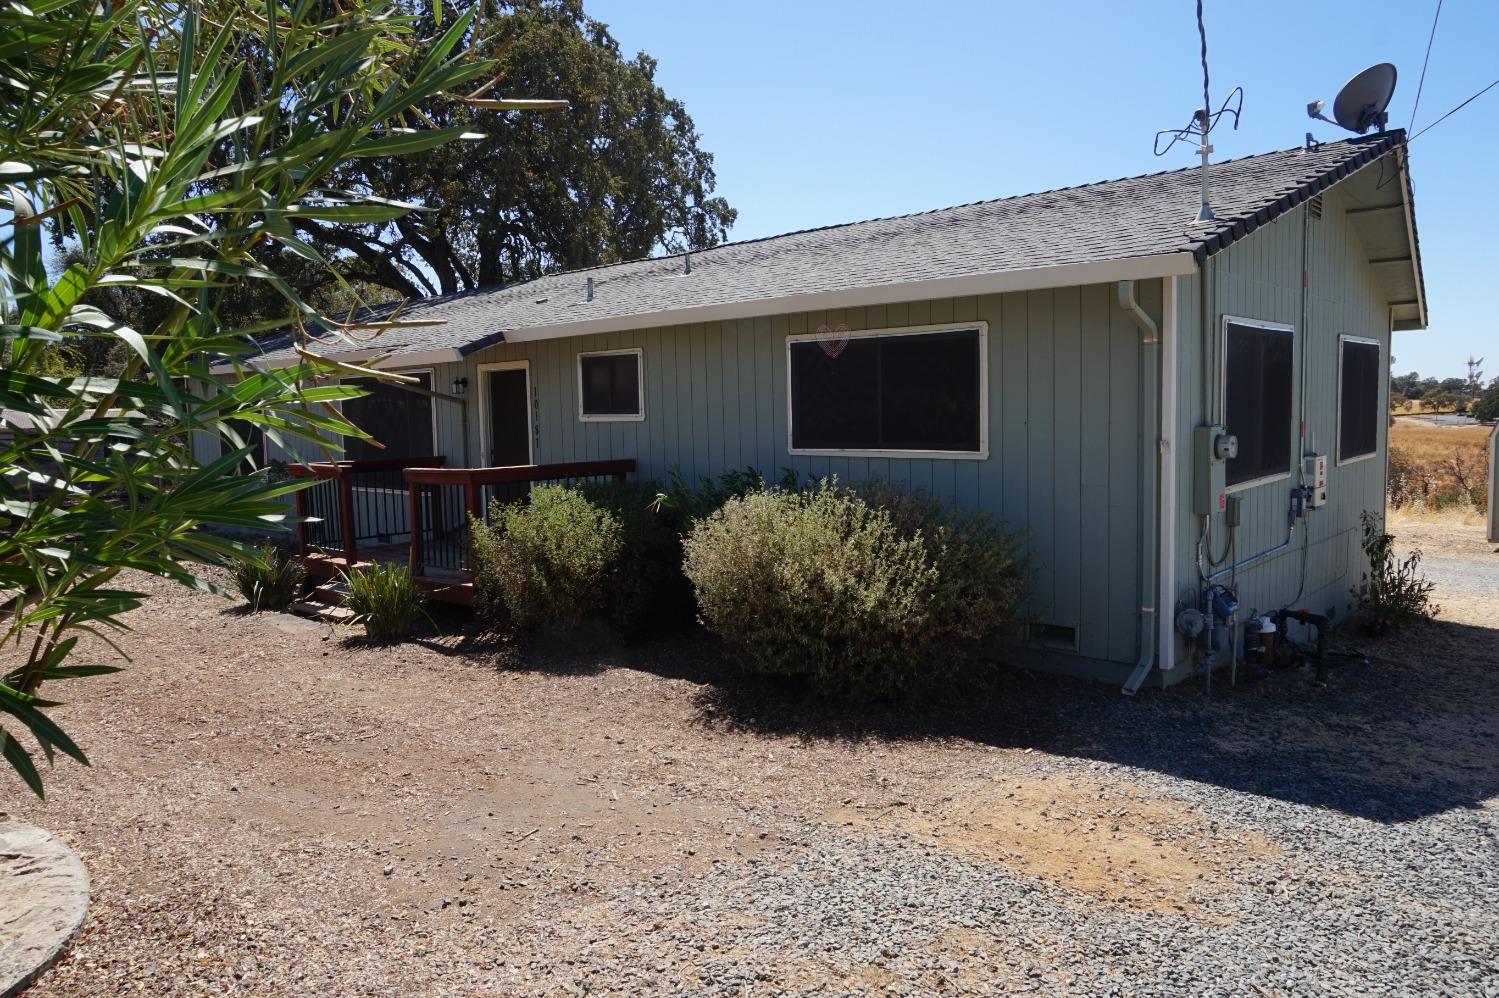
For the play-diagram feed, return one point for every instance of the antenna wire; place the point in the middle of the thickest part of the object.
(1449, 114)
(1422, 83)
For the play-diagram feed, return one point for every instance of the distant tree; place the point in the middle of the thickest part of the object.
(1456, 387)
(618, 176)
(1408, 385)
(1487, 406)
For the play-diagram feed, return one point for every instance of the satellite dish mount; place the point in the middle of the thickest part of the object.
(1362, 103)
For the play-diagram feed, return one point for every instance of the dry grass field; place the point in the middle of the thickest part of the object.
(1438, 469)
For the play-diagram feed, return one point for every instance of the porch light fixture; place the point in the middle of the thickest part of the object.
(460, 386)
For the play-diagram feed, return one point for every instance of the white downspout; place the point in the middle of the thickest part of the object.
(1166, 532)
(1150, 358)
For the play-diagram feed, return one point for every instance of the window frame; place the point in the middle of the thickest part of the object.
(982, 454)
(430, 372)
(484, 404)
(1285, 327)
(614, 417)
(1338, 459)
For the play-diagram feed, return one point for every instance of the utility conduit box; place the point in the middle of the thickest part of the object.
(1314, 470)
(1212, 449)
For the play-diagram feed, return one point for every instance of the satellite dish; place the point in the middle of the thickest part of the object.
(1361, 104)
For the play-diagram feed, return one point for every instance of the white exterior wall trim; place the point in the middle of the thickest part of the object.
(982, 454)
(1337, 434)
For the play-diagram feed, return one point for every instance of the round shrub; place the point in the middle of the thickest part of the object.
(542, 564)
(872, 597)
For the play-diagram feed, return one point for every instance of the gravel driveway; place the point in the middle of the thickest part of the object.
(276, 810)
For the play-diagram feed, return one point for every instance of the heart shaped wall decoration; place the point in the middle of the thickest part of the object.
(832, 339)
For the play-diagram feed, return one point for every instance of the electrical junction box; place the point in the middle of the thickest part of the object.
(1212, 448)
(1314, 470)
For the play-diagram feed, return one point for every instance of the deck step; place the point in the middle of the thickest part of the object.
(325, 602)
(333, 593)
(323, 611)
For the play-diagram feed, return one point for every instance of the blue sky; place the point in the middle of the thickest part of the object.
(819, 112)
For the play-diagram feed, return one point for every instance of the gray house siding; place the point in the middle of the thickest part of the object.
(1064, 454)
(1260, 278)
(1064, 447)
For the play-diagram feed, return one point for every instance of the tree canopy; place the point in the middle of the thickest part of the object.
(618, 176)
(173, 150)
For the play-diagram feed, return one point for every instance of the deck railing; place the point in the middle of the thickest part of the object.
(441, 500)
(354, 503)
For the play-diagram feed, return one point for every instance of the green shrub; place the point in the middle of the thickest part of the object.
(384, 599)
(711, 493)
(645, 585)
(542, 565)
(268, 581)
(1392, 592)
(870, 597)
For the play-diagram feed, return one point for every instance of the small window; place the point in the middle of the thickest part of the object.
(395, 416)
(1358, 398)
(895, 393)
(609, 385)
(1258, 387)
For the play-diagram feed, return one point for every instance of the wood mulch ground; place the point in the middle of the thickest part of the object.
(278, 808)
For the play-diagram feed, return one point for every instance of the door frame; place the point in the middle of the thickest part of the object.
(485, 417)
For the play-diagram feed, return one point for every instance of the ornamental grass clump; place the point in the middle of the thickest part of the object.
(385, 600)
(268, 579)
(877, 596)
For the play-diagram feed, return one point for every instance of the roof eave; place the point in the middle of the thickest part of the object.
(1408, 201)
(382, 360)
(1136, 268)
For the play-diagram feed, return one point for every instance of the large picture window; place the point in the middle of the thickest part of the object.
(1359, 370)
(898, 393)
(1258, 388)
(398, 418)
(609, 385)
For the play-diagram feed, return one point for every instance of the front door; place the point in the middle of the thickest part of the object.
(509, 417)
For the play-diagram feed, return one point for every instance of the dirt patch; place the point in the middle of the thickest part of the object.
(1114, 842)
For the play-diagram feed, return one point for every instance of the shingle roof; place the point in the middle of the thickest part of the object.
(1113, 220)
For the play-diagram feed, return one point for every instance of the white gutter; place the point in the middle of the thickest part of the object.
(395, 362)
(1029, 279)
(1135, 268)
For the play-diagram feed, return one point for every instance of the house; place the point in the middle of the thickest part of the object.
(1160, 405)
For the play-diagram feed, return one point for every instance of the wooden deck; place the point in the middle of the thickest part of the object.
(443, 585)
(351, 509)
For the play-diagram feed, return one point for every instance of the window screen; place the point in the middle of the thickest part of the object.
(1257, 392)
(610, 384)
(397, 418)
(1358, 401)
(917, 392)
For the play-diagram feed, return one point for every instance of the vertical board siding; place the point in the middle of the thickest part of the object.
(1063, 459)
(1261, 278)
